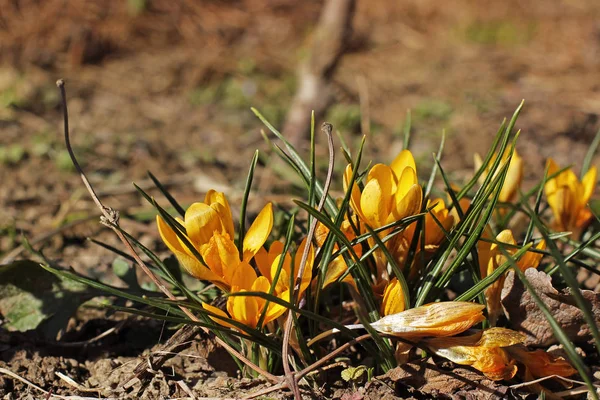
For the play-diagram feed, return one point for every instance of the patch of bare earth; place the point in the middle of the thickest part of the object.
(141, 98)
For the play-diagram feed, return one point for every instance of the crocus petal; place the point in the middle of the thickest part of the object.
(221, 255)
(540, 363)
(243, 309)
(243, 276)
(408, 205)
(218, 201)
(589, 183)
(258, 233)
(191, 264)
(513, 179)
(386, 178)
(373, 205)
(201, 222)
(307, 273)
(484, 351)
(434, 319)
(219, 312)
(403, 160)
(393, 299)
(531, 259)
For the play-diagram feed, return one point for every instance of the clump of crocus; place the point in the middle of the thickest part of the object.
(484, 351)
(568, 197)
(208, 228)
(513, 178)
(491, 257)
(390, 194)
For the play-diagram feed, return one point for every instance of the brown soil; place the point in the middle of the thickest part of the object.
(168, 89)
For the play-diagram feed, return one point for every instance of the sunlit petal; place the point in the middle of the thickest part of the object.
(191, 264)
(408, 205)
(258, 233)
(201, 222)
(219, 312)
(373, 205)
(589, 183)
(218, 201)
(243, 276)
(403, 160)
(393, 299)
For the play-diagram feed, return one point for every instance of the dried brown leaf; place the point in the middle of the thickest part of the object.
(525, 316)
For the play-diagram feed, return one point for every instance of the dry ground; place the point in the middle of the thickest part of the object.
(167, 87)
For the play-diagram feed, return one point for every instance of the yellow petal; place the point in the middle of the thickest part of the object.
(276, 310)
(386, 178)
(335, 269)
(540, 363)
(373, 206)
(243, 309)
(283, 281)
(513, 179)
(201, 222)
(219, 312)
(393, 299)
(221, 255)
(258, 233)
(406, 181)
(219, 203)
(307, 273)
(403, 160)
(434, 319)
(191, 264)
(243, 276)
(408, 205)
(589, 183)
(531, 259)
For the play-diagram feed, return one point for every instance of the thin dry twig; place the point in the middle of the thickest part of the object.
(46, 392)
(110, 218)
(326, 128)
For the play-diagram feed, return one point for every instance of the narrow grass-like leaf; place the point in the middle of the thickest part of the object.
(589, 155)
(437, 157)
(480, 286)
(296, 160)
(395, 268)
(242, 230)
(407, 126)
(167, 195)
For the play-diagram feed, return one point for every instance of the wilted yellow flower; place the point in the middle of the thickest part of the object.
(390, 192)
(568, 197)
(539, 363)
(393, 299)
(513, 178)
(248, 309)
(435, 319)
(208, 226)
(484, 351)
(491, 257)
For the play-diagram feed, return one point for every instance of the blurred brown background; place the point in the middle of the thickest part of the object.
(167, 86)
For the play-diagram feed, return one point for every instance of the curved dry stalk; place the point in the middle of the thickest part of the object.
(326, 128)
(110, 218)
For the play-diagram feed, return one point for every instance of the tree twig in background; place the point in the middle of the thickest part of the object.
(329, 42)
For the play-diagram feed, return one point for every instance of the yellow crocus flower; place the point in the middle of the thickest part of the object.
(208, 227)
(513, 178)
(484, 351)
(446, 318)
(491, 257)
(390, 192)
(248, 309)
(568, 197)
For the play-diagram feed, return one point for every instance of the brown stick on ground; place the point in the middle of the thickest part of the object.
(314, 92)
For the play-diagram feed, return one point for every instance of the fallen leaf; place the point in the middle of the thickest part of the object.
(31, 296)
(434, 382)
(525, 316)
